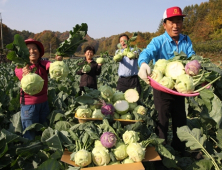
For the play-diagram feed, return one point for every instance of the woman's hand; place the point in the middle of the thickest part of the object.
(26, 70)
(58, 58)
(99, 64)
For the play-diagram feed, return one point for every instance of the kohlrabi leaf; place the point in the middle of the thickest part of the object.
(76, 37)
(194, 139)
(19, 52)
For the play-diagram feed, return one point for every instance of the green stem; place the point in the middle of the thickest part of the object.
(77, 146)
(198, 80)
(88, 145)
(212, 159)
(213, 140)
(207, 85)
(80, 145)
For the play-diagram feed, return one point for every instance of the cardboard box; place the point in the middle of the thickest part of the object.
(151, 155)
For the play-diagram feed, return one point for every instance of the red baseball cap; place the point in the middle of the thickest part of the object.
(173, 12)
(39, 44)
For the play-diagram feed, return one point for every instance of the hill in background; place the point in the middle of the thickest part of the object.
(203, 24)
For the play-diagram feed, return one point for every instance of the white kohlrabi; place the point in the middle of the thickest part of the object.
(174, 69)
(118, 95)
(121, 106)
(32, 83)
(100, 156)
(120, 151)
(161, 65)
(136, 152)
(82, 158)
(140, 110)
(84, 112)
(114, 163)
(127, 116)
(58, 70)
(106, 92)
(130, 137)
(184, 84)
(132, 106)
(127, 161)
(97, 143)
(118, 57)
(156, 75)
(97, 114)
(167, 82)
(131, 95)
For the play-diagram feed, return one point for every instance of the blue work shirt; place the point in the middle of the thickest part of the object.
(163, 47)
(128, 67)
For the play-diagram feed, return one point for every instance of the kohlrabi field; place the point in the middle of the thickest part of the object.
(203, 132)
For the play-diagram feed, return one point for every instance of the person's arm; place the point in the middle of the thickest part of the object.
(148, 53)
(98, 69)
(144, 58)
(190, 50)
(18, 73)
(79, 72)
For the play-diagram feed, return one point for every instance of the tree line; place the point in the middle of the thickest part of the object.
(203, 23)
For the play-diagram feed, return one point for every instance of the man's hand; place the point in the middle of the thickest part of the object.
(144, 72)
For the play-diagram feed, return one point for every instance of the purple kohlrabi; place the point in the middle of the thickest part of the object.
(108, 139)
(107, 109)
(192, 68)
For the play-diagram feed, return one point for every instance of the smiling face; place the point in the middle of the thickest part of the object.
(89, 54)
(174, 26)
(34, 53)
(122, 41)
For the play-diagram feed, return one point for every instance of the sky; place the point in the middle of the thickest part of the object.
(104, 18)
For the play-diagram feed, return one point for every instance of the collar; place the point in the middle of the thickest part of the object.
(181, 37)
(91, 61)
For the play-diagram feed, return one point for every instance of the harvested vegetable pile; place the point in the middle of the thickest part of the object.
(186, 75)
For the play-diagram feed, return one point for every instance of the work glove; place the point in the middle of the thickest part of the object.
(144, 72)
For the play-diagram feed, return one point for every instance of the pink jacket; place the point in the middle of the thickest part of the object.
(42, 70)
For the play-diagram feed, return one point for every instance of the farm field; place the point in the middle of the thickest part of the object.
(203, 120)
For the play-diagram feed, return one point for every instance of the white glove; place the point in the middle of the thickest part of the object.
(144, 71)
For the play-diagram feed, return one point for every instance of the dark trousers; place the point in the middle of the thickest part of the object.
(125, 83)
(165, 105)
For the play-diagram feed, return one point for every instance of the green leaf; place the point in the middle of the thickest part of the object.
(3, 147)
(49, 164)
(84, 99)
(56, 155)
(16, 122)
(19, 52)
(10, 137)
(64, 137)
(70, 45)
(31, 149)
(62, 125)
(194, 139)
(35, 126)
(207, 96)
(216, 111)
(201, 164)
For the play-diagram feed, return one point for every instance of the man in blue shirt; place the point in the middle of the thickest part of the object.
(128, 70)
(163, 47)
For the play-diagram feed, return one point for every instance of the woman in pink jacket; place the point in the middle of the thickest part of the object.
(34, 109)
